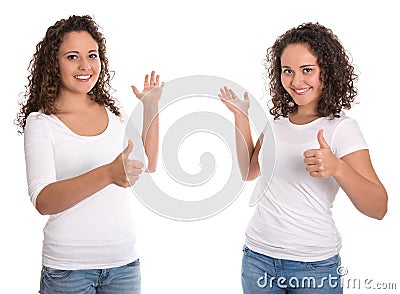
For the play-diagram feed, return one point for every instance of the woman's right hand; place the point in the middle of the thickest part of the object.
(232, 101)
(124, 171)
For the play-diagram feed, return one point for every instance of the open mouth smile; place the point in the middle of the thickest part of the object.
(301, 91)
(82, 77)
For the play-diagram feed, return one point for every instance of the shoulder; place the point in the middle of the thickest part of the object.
(37, 127)
(345, 122)
(41, 124)
(36, 119)
(347, 136)
(339, 123)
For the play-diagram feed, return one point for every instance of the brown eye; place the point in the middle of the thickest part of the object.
(72, 57)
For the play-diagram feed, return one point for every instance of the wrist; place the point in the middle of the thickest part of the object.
(149, 100)
(240, 115)
(150, 105)
(106, 173)
(339, 170)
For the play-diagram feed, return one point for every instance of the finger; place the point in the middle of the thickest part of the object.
(132, 171)
(223, 99)
(321, 140)
(134, 164)
(246, 96)
(137, 164)
(146, 81)
(316, 174)
(311, 153)
(222, 94)
(157, 80)
(313, 168)
(310, 160)
(128, 150)
(227, 93)
(152, 78)
(132, 180)
(135, 91)
(233, 94)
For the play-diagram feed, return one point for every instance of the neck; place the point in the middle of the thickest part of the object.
(303, 115)
(67, 102)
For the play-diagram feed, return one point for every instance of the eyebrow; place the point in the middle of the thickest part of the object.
(77, 52)
(303, 66)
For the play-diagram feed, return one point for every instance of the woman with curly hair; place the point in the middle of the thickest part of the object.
(292, 244)
(76, 169)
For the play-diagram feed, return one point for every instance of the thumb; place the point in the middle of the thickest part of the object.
(128, 150)
(135, 91)
(321, 140)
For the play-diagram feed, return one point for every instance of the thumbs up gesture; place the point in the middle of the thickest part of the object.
(124, 171)
(321, 163)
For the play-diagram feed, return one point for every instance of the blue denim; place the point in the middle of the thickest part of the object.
(264, 274)
(122, 280)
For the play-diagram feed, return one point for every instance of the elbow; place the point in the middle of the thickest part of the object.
(42, 210)
(384, 208)
(381, 216)
(40, 206)
(251, 173)
(151, 167)
(381, 213)
(250, 176)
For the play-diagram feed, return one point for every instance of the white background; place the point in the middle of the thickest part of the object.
(221, 38)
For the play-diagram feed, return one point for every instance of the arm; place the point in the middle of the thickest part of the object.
(150, 97)
(246, 152)
(51, 196)
(61, 195)
(355, 175)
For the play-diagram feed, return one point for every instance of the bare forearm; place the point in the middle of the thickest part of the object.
(150, 134)
(244, 144)
(61, 195)
(368, 197)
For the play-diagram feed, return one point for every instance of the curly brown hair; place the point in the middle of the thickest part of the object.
(337, 72)
(44, 80)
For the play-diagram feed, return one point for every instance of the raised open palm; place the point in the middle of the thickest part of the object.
(233, 102)
(151, 84)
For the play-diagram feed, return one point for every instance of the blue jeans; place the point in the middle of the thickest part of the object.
(264, 274)
(122, 280)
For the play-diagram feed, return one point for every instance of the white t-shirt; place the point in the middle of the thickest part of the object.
(293, 220)
(99, 231)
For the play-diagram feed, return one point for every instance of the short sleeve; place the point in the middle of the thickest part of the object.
(347, 138)
(39, 155)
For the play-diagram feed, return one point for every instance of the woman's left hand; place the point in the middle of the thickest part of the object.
(152, 89)
(321, 163)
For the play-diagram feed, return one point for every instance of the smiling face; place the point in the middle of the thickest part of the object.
(301, 76)
(79, 63)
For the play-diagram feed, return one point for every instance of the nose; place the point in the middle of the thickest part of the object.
(297, 80)
(84, 64)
